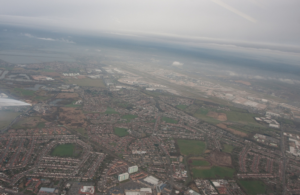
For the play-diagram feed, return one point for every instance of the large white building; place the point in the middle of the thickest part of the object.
(133, 169)
(123, 176)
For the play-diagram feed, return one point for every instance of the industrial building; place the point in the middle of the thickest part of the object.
(133, 169)
(123, 176)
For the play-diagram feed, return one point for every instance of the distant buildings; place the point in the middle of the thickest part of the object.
(123, 176)
(152, 180)
(46, 191)
(132, 169)
(87, 190)
(70, 74)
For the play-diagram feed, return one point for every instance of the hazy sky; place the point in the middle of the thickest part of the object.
(260, 21)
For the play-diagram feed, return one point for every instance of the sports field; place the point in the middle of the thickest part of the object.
(253, 187)
(214, 172)
(64, 150)
(121, 132)
(169, 120)
(191, 147)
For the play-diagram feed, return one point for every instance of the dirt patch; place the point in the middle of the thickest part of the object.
(218, 116)
(66, 95)
(72, 117)
(243, 82)
(220, 158)
(235, 132)
(194, 187)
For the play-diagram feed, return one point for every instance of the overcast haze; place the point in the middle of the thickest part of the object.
(259, 21)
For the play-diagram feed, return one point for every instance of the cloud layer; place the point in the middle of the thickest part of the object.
(268, 21)
(47, 39)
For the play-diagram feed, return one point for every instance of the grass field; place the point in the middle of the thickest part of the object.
(206, 118)
(254, 128)
(129, 117)
(227, 148)
(72, 105)
(6, 117)
(191, 147)
(169, 120)
(201, 114)
(181, 107)
(64, 150)
(110, 110)
(253, 187)
(40, 125)
(23, 92)
(200, 163)
(234, 115)
(87, 82)
(121, 132)
(202, 111)
(30, 122)
(214, 172)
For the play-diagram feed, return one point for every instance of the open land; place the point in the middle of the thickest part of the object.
(214, 172)
(191, 147)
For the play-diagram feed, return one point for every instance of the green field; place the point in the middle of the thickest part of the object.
(40, 125)
(234, 115)
(129, 117)
(254, 128)
(121, 132)
(181, 107)
(110, 110)
(253, 187)
(227, 148)
(241, 117)
(200, 163)
(214, 172)
(64, 150)
(6, 117)
(191, 147)
(87, 82)
(201, 114)
(29, 122)
(206, 118)
(202, 111)
(169, 120)
(23, 92)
